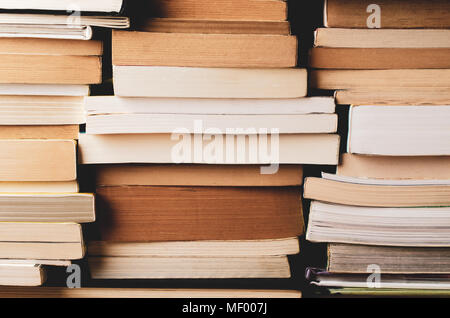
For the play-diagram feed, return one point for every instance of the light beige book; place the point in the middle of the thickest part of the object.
(192, 82)
(381, 38)
(63, 5)
(288, 246)
(51, 251)
(40, 232)
(21, 275)
(189, 267)
(60, 132)
(39, 187)
(57, 263)
(44, 89)
(162, 148)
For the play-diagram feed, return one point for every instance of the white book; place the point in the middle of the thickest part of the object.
(44, 89)
(43, 31)
(63, 5)
(30, 275)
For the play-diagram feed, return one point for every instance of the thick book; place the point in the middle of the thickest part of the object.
(165, 148)
(50, 47)
(415, 14)
(373, 59)
(27, 275)
(399, 130)
(413, 227)
(203, 50)
(388, 167)
(196, 82)
(378, 193)
(64, 5)
(346, 258)
(55, 132)
(152, 213)
(189, 267)
(46, 207)
(38, 160)
(381, 38)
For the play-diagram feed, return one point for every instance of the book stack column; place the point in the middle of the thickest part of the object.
(385, 213)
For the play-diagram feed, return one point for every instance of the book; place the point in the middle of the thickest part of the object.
(39, 187)
(399, 131)
(97, 105)
(46, 31)
(27, 262)
(381, 38)
(192, 82)
(47, 207)
(159, 148)
(55, 132)
(64, 5)
(40, 250)
(22, 275)
(288, 246)
(44, 89)
(152, 213)
(380, 79)
(41, 110)
(40, 233)
(415, 14)
(368, 59)
(197, 175)
(189, 267)
(203, 50)
(388, 292)
(387, 167)
(378, 193)
(50, 47)
(343, 258)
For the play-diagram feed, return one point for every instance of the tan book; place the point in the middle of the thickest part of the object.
(379, 167)
(203, 50)
(54, 47)
(56, 292)
(196, 82)
(381, 79)
(368, 59)
(63, 132)
(22, 275)
(215, 26)
(38, 160)
(381, 38)
(394, 96)
(197, 175)
(158, 148)
(23, 262)
(45, 69)
(39, 187)
(189, 267)
(38, 250)
(413, 14)
(40, 232)
(240, 10)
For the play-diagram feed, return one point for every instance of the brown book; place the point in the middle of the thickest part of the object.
(216, 27)
(350, 79)
(50, 47)
(146, 213)
(38, 160)
(394, 13)
(39, 132)
(203, 50)
(238, 10)
(379, 167)
(354, 58)
(197, 175)
(50, 69)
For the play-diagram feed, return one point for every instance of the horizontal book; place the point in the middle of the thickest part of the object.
(387, 167)
(191, 82)
(32, 160)
(40, 250)
(44, 89)
(378, 193)
(50, 47)
(196, 249)
(64, 5)
(354, 58)
(394, 96)
(40, 232)
(41, 110)
(150, 213)
(163, 148)
(63, 132)
(40, 187)
(98, 105)
(26, 262)
(394, 14)
(189, 268)
(380, 79)
(45, 31)
(343, 258)
(236, 10)
(197, 175)
(399, 131)
(169, 123)
(381, 38)
(22, 275)
(203, 50)
(215, 26)
(47, 207)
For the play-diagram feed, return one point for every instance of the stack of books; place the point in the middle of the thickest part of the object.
(198, 155)
(385, 213)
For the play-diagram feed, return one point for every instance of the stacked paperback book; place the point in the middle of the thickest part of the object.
(385, 214)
